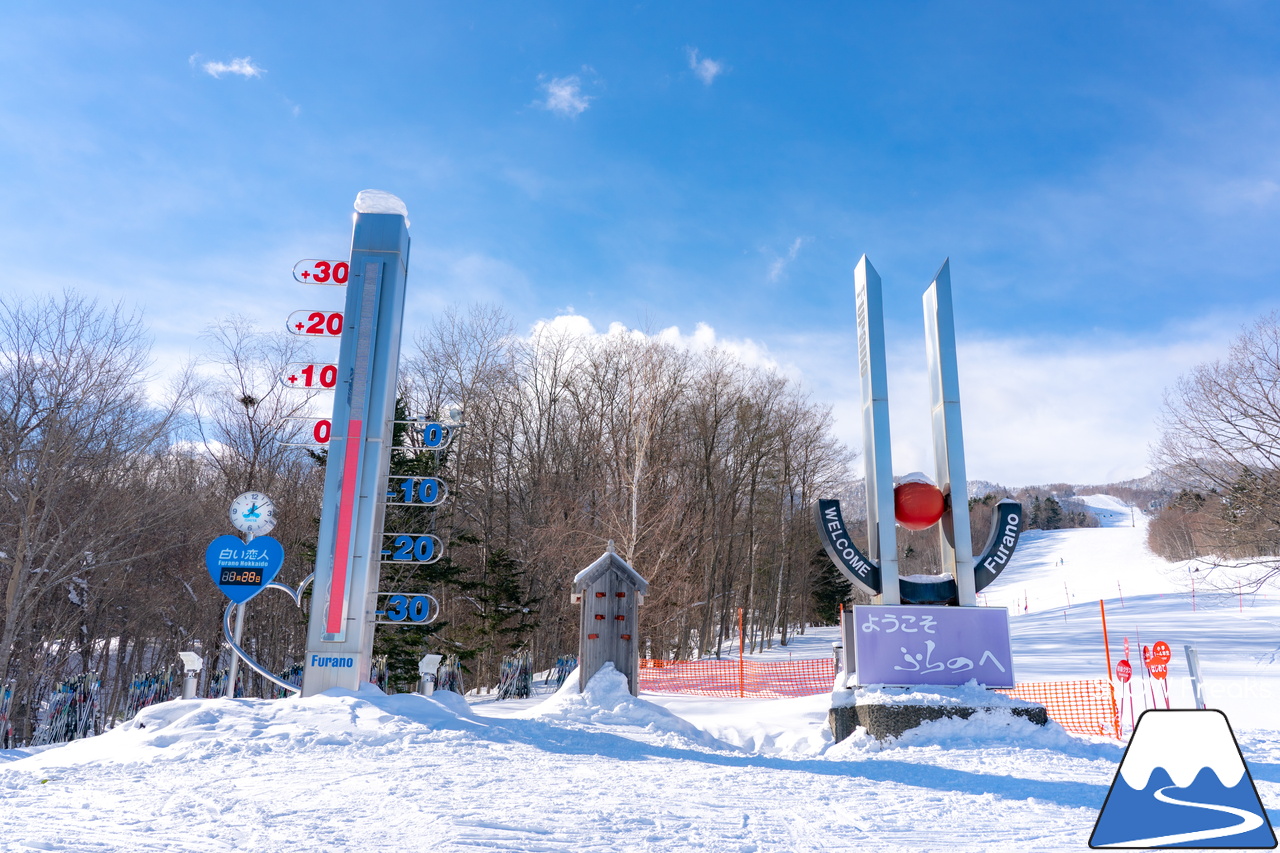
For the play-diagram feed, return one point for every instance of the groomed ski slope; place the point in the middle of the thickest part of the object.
(602, 771)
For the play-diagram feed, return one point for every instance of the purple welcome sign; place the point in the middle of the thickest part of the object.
(902, 645)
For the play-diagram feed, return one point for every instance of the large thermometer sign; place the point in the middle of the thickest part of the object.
(350, 544)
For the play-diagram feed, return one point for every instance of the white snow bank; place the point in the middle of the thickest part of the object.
(199, 728)
(985, 730)
(790, 728)
(379, 201)
(607, 701)
(970, 694)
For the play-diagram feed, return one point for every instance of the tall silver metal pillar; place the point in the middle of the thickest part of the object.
(948, 436)
(882, 538)
(349, 551)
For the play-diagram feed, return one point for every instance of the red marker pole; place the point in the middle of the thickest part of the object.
(1106, 644)
(742, 681)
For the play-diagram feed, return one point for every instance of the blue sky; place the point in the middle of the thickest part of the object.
(1104, 177)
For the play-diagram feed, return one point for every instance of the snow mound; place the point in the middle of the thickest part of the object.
(996, 731)
(203, 728)
(607, 701)
(970, 694)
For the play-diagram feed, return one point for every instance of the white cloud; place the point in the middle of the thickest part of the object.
(242, 66)
(779, 265)
(706, 69)
(565, 96)
(703, 338)
(1034, 410)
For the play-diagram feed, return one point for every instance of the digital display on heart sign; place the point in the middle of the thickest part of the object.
(242, 569)
(235, 577)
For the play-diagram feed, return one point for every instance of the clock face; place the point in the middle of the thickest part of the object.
(253, 512)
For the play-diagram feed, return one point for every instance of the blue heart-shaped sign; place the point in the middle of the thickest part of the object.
(242, 569)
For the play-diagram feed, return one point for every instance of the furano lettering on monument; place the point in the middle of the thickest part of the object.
(1008, 541)
(333, 662)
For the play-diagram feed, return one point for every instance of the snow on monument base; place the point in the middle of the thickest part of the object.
(889, 712)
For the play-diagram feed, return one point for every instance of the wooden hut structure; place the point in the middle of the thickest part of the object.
(610, 593)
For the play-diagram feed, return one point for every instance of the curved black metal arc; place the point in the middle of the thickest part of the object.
(838, 544)
(1006, 526)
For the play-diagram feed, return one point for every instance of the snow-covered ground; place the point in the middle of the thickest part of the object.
(602, 771)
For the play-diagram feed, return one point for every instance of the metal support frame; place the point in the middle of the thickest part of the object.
(237, 651)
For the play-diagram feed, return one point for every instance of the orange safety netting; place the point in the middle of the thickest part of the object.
(1083, 707)
(732, 678)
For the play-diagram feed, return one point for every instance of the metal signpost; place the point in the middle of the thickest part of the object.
(358, 436)
(876, 573)
(948, 438)
(242, 569)
(882, 539)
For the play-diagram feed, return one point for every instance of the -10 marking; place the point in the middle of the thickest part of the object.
(415, 491)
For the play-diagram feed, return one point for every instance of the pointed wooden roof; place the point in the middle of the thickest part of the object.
(609, 560)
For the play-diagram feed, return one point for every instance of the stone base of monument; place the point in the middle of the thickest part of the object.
(888, 712)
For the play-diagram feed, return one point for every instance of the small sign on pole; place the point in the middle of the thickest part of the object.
(242, 570)
(316, 377)
(1161, 653)
(322, 272)
(315, 324)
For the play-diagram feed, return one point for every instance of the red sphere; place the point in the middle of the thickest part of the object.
(917, 505)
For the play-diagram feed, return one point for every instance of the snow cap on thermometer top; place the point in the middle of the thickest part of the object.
(380, 201)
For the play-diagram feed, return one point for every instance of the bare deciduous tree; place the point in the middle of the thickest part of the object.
(1221, 442)
(81, 451)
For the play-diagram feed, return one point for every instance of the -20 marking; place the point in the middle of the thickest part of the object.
(412, 548)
